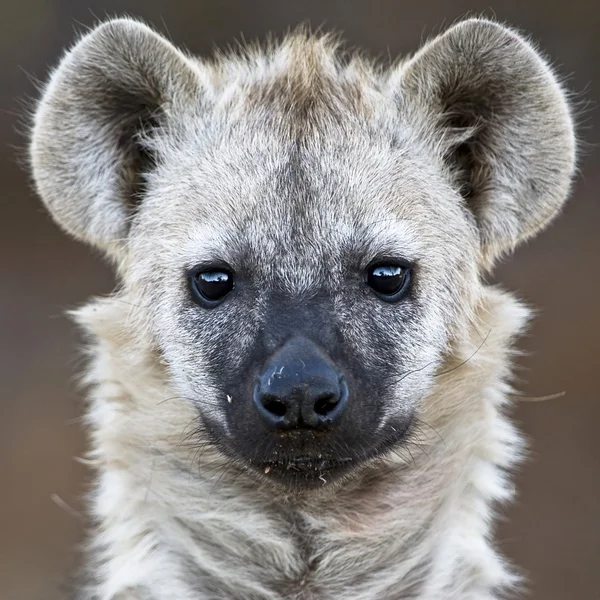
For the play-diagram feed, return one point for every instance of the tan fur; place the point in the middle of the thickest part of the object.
(449, 158)
(447, 482)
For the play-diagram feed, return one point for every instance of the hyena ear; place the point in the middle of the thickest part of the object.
(89, 148)
(492, 107)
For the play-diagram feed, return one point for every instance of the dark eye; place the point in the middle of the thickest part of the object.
(210, 287)
(389, 282)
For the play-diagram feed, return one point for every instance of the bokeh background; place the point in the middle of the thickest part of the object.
(553, 531)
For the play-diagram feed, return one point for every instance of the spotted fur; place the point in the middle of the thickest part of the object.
(298, 164)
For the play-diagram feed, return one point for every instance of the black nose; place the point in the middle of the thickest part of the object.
(300, 388)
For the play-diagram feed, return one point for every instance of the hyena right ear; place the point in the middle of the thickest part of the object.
(87, 151)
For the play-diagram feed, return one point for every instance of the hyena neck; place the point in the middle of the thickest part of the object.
(172, 524)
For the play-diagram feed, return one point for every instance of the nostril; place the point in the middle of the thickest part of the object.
(325, 404)
(274, 406)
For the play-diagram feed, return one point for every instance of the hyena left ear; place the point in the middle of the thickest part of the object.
(91, 140)
(490, 105)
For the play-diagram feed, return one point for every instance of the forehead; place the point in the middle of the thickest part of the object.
(265, 202)
(302, 159)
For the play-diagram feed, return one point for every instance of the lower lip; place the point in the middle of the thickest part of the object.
(305, 467)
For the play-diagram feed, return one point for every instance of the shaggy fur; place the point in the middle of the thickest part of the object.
(298, 166)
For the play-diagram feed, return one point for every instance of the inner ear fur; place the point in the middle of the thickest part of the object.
(494, 111)
(88, 155)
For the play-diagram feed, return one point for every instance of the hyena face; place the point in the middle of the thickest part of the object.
(303, 233)
(298, 291)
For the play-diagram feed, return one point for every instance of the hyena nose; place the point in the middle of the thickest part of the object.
(300, 389)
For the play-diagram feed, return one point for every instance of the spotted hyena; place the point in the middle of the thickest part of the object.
(298, 389)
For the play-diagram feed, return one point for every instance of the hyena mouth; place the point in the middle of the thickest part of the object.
(303, 464)
(307, 468)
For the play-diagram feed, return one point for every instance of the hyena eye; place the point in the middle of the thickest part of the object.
(389, 282)
(208, 288)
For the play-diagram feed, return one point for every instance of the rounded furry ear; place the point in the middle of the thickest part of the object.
(490, 105)
(87, 151)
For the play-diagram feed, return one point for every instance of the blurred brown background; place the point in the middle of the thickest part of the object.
(553, 531)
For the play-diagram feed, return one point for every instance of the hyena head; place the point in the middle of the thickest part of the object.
(302, 233)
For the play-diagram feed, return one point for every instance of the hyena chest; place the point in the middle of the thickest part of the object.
(354, 582)
(311, 567)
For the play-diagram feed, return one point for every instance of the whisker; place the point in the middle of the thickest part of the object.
(464, 362)
(190, 400)
(419, 422)
(538, 398)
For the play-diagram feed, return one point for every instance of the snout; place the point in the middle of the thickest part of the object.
(300, 388)
(306, 414)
